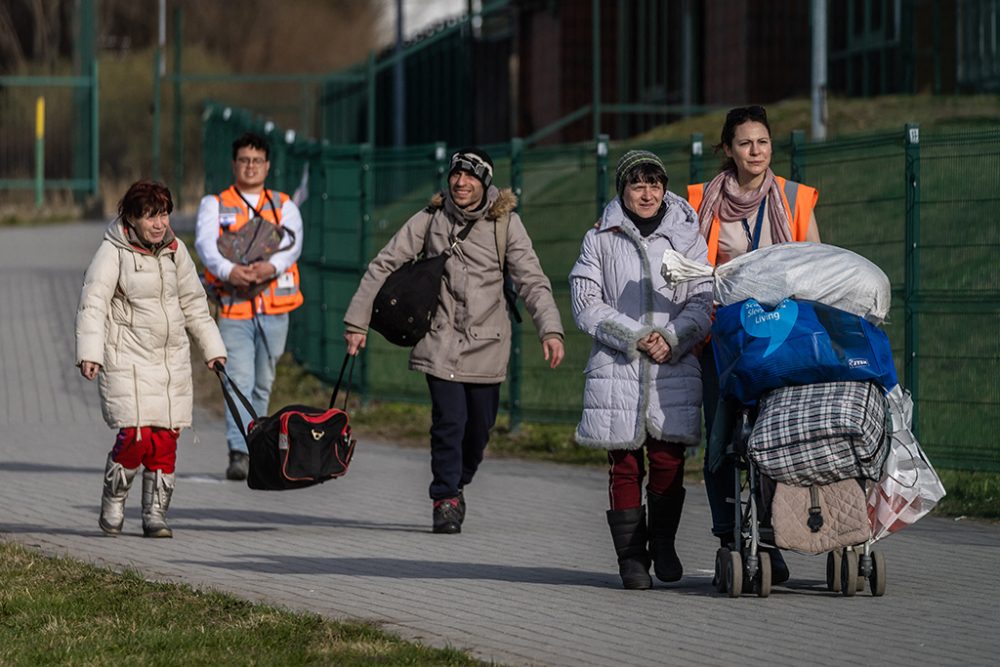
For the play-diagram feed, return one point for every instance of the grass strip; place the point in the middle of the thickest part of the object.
(60, 611)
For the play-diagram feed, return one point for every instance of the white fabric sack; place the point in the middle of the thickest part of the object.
(818, 272)
(910, 487)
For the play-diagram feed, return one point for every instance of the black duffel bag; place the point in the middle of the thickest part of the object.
(405, 305)
(297, 446)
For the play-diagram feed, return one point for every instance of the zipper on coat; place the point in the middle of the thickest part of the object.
(166, 343)
(138, 417)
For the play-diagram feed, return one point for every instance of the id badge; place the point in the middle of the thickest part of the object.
(227, 220)
(286, 281)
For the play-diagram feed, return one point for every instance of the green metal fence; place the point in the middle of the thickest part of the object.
(917, 205)
(49, 121)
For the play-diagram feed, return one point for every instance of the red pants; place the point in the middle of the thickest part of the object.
(627, 470)
(156, 449)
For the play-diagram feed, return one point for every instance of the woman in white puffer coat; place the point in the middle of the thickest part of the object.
(141, 298)
(642, 393)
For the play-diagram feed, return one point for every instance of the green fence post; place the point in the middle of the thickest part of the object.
(797, 157)
(697, 148)
(371, 75)
(39, 152)
(441, 164)
(911, 280)
(85, 117)
(367, 165)
(602, 172)
(178, 110)
(595, 20)
(516, 361)
(95, 130)
(157, 66)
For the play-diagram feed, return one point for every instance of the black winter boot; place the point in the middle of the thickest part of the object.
(628, 531)
(779, 569)
(664, 517)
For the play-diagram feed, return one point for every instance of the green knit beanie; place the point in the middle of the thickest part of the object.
(633, 159)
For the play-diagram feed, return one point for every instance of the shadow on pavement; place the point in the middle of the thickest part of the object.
(415, 569)
(24, 466)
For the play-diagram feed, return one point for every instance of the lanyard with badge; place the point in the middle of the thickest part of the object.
(754, 239)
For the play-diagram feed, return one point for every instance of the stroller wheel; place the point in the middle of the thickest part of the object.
(849, 573)
(833, 560)
(721, 558)
(762, 581)
(877, 579)
(734, 574)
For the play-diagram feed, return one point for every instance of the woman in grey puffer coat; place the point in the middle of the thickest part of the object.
(643, 385)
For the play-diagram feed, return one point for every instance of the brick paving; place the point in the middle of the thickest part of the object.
(531, 581)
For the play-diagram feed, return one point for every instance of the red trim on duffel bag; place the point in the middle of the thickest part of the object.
(317, 419)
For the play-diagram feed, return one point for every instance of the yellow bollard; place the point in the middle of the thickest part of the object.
(39, 152)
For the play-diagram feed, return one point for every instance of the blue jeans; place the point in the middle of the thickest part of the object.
(251, 361)
(462, 415)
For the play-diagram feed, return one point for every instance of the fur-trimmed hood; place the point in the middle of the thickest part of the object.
(502, 202)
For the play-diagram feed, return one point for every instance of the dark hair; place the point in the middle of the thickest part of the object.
(645, 172)
(734, 119)
(145, 198)
(251, 140)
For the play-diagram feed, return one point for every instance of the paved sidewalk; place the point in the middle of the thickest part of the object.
(531, 581)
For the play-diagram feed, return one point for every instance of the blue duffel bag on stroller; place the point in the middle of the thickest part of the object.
(758, 349)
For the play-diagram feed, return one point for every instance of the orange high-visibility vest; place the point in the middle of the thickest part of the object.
(799, 201)
(281, 296)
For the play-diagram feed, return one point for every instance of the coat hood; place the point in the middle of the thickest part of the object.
(502, 202)
(118, 235)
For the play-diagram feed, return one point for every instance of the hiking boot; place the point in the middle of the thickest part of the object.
(448, 515)
(239, 466)
(117, 481)
(157, 489)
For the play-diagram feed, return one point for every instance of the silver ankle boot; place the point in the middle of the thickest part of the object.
(157, 488)
(117, 482)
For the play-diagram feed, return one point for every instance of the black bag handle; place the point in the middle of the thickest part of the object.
(220, 371)
(336, 389)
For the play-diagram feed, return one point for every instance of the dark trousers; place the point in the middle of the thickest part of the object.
(462, 415)
(719, 484)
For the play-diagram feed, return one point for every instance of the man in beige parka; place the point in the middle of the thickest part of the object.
(464, 355)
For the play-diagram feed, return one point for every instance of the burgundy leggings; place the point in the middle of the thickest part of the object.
(627, 469)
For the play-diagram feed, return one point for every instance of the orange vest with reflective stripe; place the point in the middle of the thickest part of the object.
(799, 201)
(282, 294)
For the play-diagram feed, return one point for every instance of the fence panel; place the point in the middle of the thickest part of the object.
(358, 198)
(958, 303)
(69, 134)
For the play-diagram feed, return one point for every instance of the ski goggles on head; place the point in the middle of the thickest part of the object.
(473, 164)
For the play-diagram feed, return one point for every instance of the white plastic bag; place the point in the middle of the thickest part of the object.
(909, 488)
(830, 275)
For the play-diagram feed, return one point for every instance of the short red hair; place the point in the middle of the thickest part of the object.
(145, 198)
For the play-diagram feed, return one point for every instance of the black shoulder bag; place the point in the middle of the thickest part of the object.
(405, 305)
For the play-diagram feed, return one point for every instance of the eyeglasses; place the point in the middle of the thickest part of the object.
(255, 161)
